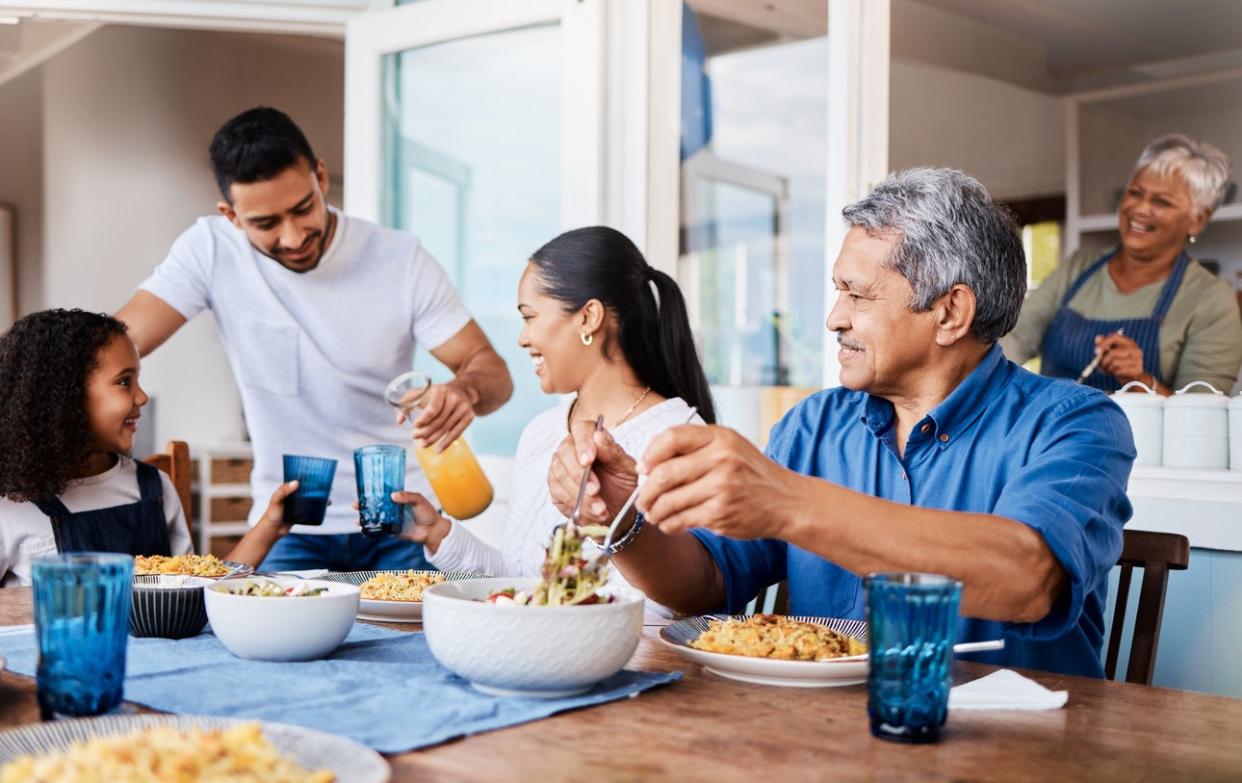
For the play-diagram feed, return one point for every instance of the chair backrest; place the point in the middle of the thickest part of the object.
(176, 463)
(1156, 554)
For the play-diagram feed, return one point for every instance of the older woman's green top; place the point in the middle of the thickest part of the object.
(1200, 337)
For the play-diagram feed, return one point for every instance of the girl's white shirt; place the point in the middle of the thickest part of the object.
(26, 532)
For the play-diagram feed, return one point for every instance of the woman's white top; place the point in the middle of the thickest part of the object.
(532, 517)
(26, 532)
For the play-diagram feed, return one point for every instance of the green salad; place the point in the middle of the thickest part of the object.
(267, 589)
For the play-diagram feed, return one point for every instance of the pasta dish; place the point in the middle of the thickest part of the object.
(164, 754)
(184, 565)
(776, 636)
(399, 585)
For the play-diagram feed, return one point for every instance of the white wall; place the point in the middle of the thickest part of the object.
(127, 117)
(21, 178)
(1009, 138)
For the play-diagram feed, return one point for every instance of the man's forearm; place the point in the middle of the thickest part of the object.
(1007, 570)
(673, 570)
(485, 377)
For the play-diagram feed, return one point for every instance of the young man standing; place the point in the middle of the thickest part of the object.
(317, 312)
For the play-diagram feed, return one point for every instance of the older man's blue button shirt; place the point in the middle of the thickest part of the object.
(1050, 454)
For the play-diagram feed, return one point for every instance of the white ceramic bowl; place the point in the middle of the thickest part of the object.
(281, 629)
(539, 651)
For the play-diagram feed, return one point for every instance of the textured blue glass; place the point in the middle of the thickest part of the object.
(381, 472)
(314, 475)
(912, 619)
(81, 608)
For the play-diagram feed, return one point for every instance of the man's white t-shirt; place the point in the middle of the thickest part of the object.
(312, 352)
(26, 532)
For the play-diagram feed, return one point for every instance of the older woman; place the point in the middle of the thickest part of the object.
(1149, 311)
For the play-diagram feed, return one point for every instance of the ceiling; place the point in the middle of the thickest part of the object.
(1086, 37)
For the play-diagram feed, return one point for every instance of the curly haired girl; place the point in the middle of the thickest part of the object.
(67, 421)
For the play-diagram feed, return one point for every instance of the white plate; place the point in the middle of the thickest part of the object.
(392, 611)
(767, 671)
(348, 760)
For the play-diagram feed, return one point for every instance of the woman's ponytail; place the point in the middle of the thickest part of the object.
(653, 327)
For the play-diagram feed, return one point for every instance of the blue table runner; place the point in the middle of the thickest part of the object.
(381, 687)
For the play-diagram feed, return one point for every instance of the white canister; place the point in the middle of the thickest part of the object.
(1235, 433)
(1146, 415)
(1196, 429)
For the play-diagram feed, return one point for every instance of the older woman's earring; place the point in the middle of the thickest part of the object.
(587, 338)
(1193, 238)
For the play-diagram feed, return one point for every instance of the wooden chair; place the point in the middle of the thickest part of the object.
(176, 463)
(1156, 554)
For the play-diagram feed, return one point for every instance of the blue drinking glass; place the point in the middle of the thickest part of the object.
(381, 472)
(307, 505)
(913, 621)
(81, 608)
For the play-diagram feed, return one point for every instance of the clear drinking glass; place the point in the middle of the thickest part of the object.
(81, 609)
(455, 474)
(380, 471)
(913, 620)
(308, 504)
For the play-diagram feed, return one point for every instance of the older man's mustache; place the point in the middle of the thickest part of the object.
(847, 343)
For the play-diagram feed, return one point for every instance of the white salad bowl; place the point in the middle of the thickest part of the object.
(289, 628)
(533, 651)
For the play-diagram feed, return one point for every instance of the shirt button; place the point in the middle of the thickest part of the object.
(944, 438)
(903, 475)
(926, 428)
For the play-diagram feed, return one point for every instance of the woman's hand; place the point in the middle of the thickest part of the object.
(426, 526)
(614, 474)
(1121, 357)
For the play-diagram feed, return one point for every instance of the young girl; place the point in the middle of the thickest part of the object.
(607, 328)
(67, 422)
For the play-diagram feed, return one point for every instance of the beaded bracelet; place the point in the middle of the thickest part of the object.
(627, 539)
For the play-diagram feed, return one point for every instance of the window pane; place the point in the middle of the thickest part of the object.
(753, 263)
(481, 199)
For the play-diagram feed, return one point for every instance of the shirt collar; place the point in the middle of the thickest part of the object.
(965, 403)
(956, 412)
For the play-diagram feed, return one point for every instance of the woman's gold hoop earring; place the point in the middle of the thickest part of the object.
(587, 338)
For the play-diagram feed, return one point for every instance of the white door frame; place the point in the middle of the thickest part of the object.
(369, 37)
(306, 17)
(858, 87)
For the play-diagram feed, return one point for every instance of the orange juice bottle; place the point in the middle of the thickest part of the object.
(455, 474)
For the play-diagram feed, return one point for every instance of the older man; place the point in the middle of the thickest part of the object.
(936, 454)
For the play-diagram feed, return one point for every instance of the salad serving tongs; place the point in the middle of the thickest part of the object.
(601, 557)
(576, 514)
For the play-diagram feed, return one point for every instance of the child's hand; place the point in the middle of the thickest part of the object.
(273, 519)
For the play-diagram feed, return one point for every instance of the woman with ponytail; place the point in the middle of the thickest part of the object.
(605, 327)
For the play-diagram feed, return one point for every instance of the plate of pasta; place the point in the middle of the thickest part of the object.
(394, 596)
(767, 649)
(208, 566)
(191, 749)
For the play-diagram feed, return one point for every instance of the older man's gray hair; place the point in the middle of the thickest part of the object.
(949, 231)
(1203, 167)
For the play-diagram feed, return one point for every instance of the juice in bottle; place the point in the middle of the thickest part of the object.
(457, 478)
(455, 474)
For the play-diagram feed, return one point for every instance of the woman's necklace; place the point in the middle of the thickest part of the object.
(624, 419)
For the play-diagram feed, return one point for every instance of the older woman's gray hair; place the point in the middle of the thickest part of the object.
(1202, 166)
(949, 231)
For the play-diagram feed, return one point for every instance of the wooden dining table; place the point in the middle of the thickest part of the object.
(704, 727)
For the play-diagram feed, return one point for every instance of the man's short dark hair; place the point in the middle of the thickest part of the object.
(255, 146)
